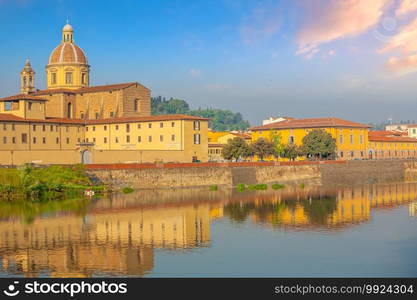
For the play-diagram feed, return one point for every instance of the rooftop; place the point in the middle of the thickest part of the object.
(23, 97)
(311, 123)
(11, 117)
(91, 89)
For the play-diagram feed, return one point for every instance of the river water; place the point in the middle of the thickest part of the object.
(368, 230)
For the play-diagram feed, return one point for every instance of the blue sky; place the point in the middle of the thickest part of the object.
(354, 59)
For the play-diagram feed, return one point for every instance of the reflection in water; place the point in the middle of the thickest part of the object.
(118, 235)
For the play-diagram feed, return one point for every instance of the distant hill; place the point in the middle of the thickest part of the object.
(221, 120)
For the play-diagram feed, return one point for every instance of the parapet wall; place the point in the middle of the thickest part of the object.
(151, 176)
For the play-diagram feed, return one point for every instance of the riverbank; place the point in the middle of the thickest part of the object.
(156, 176)
(46, 183)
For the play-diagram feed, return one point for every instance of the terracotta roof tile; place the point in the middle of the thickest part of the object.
(381, 138)
(13, 118)
(146, 119)
(91, 89)
(311, 123)
(23, 97)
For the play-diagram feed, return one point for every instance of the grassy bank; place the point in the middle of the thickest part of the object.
(45, 183)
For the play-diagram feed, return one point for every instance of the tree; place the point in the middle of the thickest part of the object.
(291, 152)
(236, 148)
(276, 139)
(263, 147)
(318, 144)
(220, 120)
(172, 106)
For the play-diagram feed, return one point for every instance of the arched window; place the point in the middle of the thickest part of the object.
(69, 110)
(136, 105)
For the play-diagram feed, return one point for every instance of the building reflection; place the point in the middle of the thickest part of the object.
(118, 235)
(316, 207)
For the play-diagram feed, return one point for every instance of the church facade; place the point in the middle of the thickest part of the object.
(72, 122)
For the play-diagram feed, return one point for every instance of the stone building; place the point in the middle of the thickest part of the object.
(52, 125)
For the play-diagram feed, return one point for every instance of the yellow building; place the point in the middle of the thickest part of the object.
(386, 145)
(351, 138)
(72, 122)
(217, 139)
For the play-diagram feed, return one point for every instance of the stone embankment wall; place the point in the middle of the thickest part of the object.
(151, 176)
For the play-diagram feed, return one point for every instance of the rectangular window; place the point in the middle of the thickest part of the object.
(341, 139)
(29, 105)
(291, 140)
(94, 128)
(53, 78)
(68, 140)
(116, 140)
(361, 139)
(34, 127)
(196, 125)
(150, 125)
(173, 137)
(196, 139)
(127, 138)
(4, 126)
(14, 140)
(117, 127)
(43, 127)
(57, 140)
(66, 129)
(105, 127)
(161, 138)
(138, 126)
(150, 138)
(161, 125)
(4, 140)
(97, 115)
(24, 138)
(52, 128)
(68, 78)
(13, 127)
(172, 124)
(34, 140)
(139, 139)
(351, 138)
(83, 78)
(94, 140)
(86, 129)
(127, 127)
(105, 140)
(43, 140)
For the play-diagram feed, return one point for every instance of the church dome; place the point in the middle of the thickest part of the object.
(67, 27)
(67, 53)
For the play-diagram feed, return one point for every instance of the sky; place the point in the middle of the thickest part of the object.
(352, 59)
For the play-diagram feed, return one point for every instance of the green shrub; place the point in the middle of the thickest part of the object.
(241, 187)
(302, 185)
(127, 190)
(255, 187)
(278, 186)
(213, 187)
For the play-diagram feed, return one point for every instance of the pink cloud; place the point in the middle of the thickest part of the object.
(402, 65)
(336, 19)
(406, 7)
(405, 40)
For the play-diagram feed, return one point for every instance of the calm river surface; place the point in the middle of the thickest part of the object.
(367, 230)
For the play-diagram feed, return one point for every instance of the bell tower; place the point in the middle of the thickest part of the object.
(27, 78)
